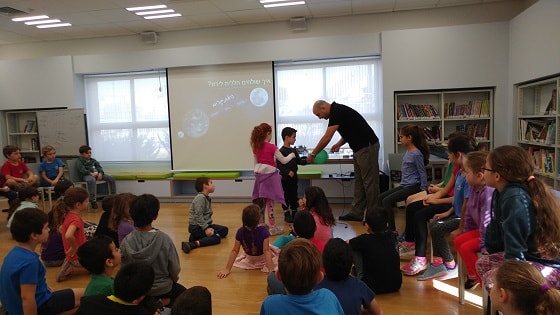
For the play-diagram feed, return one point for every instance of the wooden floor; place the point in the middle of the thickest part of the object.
(243, 291)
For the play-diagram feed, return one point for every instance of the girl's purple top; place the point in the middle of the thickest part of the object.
(413, 170)
(252, 241)
(124, 228)
(53, 248)
(478, 209)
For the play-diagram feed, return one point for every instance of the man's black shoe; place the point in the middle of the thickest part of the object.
(348, 217)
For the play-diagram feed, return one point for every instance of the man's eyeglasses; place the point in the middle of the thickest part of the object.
(487, 169)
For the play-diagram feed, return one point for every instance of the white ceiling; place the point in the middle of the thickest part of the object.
(104, 18)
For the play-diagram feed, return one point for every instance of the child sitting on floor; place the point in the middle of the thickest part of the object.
(101, 257)
(355, 297)
(203, 230)
(254, 239)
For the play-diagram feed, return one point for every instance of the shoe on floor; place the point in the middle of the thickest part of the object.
(416, 265)
(185, 247)
(94, 205)
(276, 231)
(65, 270)
(348, 217)
(451, 273)
(433, 272)
(405, 250)
(471, 284)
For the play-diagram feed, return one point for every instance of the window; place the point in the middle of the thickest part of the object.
(128, 117)
(354, 82)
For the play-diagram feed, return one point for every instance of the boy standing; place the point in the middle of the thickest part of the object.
(16, 172)
(132, 284)
(91, 171)
(352, 293)
(23, 286)
(150, 245)
(376, 256)
(299, 268)
(288, 172)
(101, 257)
(203, 231)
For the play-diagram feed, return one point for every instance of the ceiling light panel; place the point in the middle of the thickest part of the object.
(42, 22)
(150, 7)
(154, 12)
(30, 18)
(283, 4)
(163, 16)
(53, 25)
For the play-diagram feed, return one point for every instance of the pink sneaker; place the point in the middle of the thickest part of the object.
(416, 265)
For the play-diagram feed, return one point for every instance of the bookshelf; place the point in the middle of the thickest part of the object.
(442, 112)
(22, 131)
(537, 118)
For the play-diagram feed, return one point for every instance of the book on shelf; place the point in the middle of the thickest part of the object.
(551, 107)
(479, 131)
(471, 109)
(412, 112)
(432, 134)
(535, 130)
(30, 126)
(544, 160)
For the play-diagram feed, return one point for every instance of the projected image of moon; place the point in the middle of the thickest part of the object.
(259, 97)
(196, 123)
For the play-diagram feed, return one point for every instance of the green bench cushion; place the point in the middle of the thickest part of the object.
(309, 174)
(154, 175)
(195, 175)
(141, 175)
(124, 176)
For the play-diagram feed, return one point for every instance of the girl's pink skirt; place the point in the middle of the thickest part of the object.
(244, 261)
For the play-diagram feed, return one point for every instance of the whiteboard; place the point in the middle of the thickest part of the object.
(64, 129)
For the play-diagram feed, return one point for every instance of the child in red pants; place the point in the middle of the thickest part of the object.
(476, 217)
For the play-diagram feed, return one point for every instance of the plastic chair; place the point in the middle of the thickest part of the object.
(45, 192)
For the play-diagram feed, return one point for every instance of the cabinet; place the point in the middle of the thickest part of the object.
(442, 112)
(537, 119)
(22, 131)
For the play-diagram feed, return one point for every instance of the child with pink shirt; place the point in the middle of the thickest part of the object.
(316, 202)
(268, 183)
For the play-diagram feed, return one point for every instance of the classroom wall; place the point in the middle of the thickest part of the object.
(440, 48)
(445, 58)
(534, 49)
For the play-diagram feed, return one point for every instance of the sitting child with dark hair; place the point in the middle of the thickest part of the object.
(304, 227)
(23, 286)
(299, 268)
(355, 297)
(101, 257)
(132, 283)
(376, 256)
(27, 198)
(196, 300)
(154, 247)
(103, 225)
(204, 232)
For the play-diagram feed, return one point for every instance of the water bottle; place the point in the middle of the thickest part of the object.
(94, 170)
